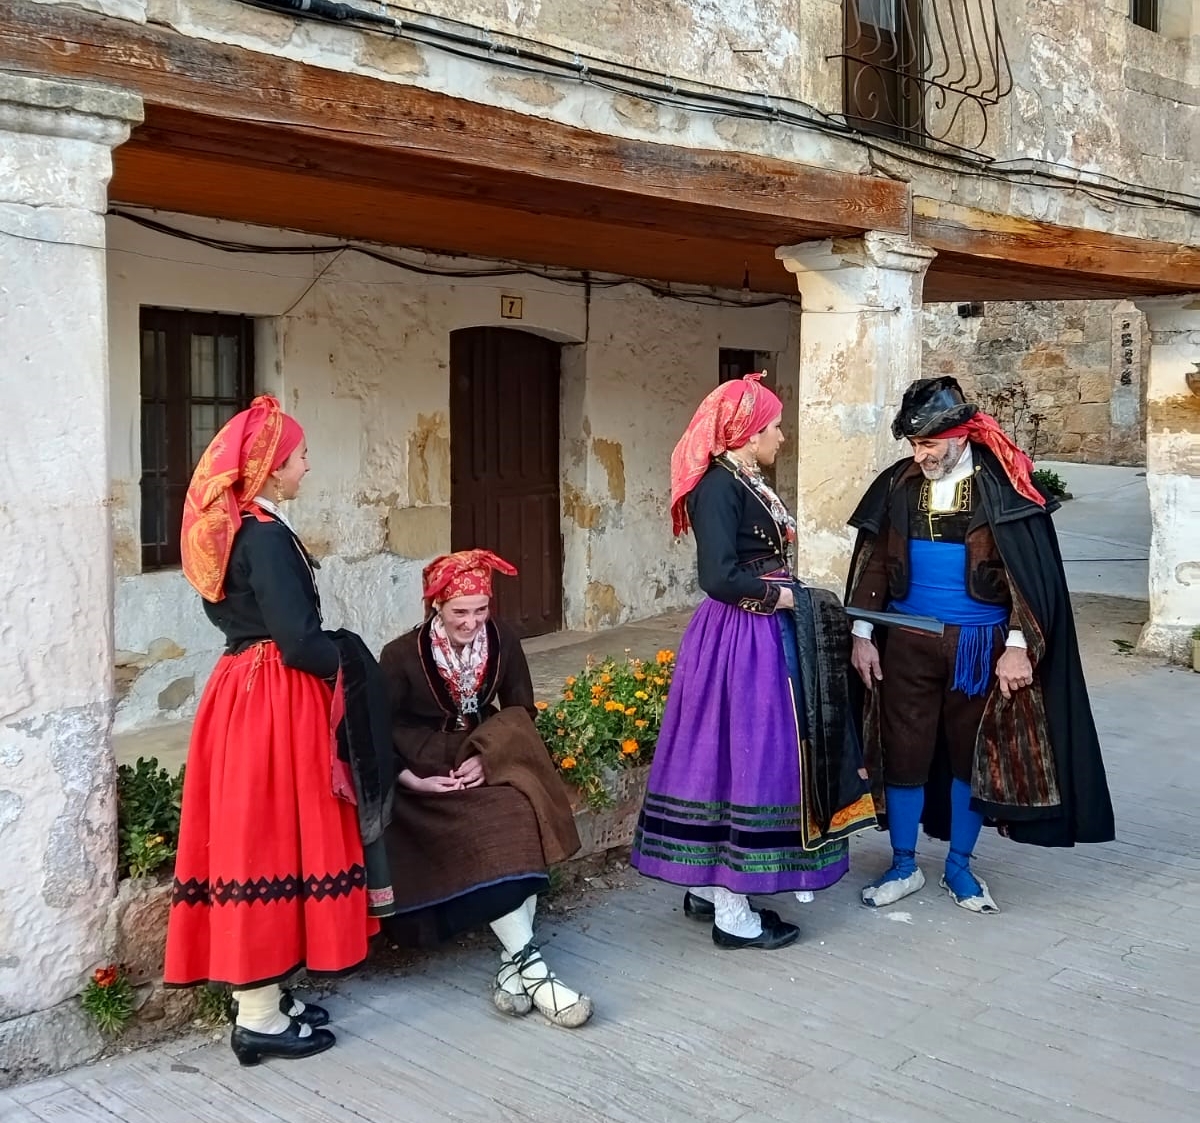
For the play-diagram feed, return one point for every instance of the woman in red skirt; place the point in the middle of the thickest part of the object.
(270, 875)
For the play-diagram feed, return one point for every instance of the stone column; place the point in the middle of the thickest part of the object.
(57, 830)
(860, 346)
(1173, 473)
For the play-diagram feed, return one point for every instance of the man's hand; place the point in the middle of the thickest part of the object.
(864, 658)
(786, 598)
(429, 785)
(470, 772)
(1014, 670)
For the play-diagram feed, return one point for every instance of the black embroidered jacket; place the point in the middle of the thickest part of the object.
(738, 542)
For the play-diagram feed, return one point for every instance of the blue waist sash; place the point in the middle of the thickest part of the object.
(938, 588)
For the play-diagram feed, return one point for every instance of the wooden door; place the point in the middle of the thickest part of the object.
(504, 466)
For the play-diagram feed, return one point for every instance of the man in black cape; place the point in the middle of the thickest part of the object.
(989, 719)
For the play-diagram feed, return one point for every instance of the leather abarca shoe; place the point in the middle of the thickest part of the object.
(888, 892)
(253, 1048)
(773, 936)
(981, 903)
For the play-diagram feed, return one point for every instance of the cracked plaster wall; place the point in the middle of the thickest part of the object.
(362, 359)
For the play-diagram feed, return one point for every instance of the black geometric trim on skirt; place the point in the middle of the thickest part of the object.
(267, 890)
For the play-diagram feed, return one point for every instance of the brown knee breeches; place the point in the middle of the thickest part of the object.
(918, 671)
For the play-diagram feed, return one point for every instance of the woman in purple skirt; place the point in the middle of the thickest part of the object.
(757, 779)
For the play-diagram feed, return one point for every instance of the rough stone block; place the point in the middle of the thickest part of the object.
(1087, 419)
(47, 1041)
(1095, 388)
(418, 532)
(177, 693)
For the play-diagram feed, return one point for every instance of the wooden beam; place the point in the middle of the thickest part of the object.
(343, 208)
(1040, 257)
(462, 139)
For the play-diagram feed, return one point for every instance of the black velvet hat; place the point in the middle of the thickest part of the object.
(931, 406)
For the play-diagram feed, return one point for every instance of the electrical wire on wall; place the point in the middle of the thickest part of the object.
(476, 44)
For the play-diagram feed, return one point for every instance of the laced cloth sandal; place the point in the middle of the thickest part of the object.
(508, 994)
(541, 989)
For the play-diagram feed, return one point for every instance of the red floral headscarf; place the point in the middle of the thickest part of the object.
(233, 470)
(467, 573)
(726, 419)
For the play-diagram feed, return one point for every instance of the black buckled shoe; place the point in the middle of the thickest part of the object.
(252, 1048)
(697, 908)
(774, 935)
(311, 1015)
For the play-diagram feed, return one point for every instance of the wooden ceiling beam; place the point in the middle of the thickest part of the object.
(232, 84)
(1044, 257)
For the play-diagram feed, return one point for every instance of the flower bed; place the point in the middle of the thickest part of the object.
(606, 721)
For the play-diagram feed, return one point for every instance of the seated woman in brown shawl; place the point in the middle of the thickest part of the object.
(480, 813)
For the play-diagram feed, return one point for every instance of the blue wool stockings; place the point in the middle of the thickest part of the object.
(965, 825)
(904, 807)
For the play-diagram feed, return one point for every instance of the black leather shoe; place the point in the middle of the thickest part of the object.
(697, 908)
(773, 936)
(311, 1015)
(252, 1048)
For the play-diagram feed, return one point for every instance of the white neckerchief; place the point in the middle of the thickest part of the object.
(941, 492)
(273, 509)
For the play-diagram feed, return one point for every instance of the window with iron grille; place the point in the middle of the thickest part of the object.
(197, 371)
(1144, 13)
(925, 72)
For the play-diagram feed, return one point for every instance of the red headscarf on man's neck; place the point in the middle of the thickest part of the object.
(985, 430)
(233, 470)
(726, 419)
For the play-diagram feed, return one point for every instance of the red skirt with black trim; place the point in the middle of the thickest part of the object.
(269, 877)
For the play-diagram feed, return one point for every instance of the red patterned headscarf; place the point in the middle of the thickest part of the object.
(985, 430)
(467, 573)
(233, 470)
(726, 419)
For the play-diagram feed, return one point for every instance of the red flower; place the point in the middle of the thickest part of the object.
(104, 977)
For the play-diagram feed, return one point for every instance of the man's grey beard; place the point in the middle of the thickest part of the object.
(940, 469)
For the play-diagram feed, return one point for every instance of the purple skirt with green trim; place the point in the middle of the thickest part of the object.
(723, 801)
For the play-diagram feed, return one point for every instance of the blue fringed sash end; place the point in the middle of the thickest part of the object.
(973, 662)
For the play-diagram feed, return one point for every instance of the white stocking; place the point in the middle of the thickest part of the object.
(514, 930)
(258, 1010)
(704, 892)
(734, 915)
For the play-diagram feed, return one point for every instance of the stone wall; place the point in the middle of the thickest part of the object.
(359, 351)
(1066, 377)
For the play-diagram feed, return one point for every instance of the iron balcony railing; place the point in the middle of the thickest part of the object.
(923, 71)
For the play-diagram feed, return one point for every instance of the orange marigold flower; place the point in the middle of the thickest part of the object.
(640, 676)
(631, 711)
(641, 723)
(597, 689)
(642, 695)
(562, 732)
(606, 678)
(570, 680)
(596, 702)
(541, 705)
(569, 697)
(568, 762)
(628, 748)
